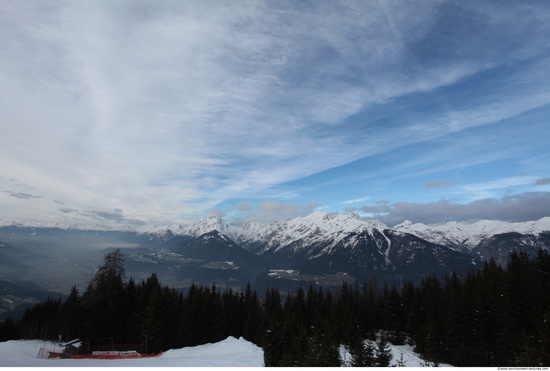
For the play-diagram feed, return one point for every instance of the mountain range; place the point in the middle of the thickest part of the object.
(331, 243)
(320, 248)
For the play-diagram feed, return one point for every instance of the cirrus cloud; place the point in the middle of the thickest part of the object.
(168, 109)
(437, 184)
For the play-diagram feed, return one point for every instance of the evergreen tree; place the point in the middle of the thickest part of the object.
(8, 330)
(383, 352)
(369, 308)
(252, 316)
(495, 316)
(170, 306)
(362, 353)
(103, 301)
(152, 313)
(41, 321)
(347, 313)
(71, 315)
(213, 308)
(544, 339)
(193, 317)
(273, 341)
(131, 307)
(528, 355)
(231, 314)
(320, 351)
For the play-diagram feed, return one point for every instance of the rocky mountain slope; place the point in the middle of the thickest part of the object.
(321, 248)
(323, 244)
(467, 236)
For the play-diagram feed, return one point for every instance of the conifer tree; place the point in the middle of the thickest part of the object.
(362, 353)
(320, 351)
(383, 352)
(41, 321)
(231, 314)
(193, 317)
(151, 314)
(544, 339)
(71, 315)
(102, 301)
(273, 341)
(252, 319)
(8, 330)
(528, 355)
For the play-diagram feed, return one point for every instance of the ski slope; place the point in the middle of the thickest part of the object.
(230, 352)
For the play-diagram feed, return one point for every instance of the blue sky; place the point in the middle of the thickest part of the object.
(155, 112)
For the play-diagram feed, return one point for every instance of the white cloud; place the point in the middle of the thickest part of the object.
(269, 211)
(243, 206)
(487, 189)
(356, 200)
(215, 212)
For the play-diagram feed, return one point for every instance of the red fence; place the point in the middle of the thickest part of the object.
(88, 349)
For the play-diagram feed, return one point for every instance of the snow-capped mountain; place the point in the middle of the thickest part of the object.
(500, 245)
(319, 247)
(324, 236)
(43, 225)
(212, 223)
(331, 243)
(466, 236)
(197, 229)
(318, 228)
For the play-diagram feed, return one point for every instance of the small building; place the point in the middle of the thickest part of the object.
(70, 348)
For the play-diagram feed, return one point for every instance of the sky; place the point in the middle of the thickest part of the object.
(129, 113)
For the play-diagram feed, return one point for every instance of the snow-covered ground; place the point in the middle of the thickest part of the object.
(230, 352)
(402, 356)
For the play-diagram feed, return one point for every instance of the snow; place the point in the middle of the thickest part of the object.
(470, 234)
(316, 228)
(328, 228)
(400, 353)
(409, 357)
(65, 226)
(210, 224)
(228, 353)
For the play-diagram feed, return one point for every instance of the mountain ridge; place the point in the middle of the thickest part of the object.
(459, 236)
(454, 230)
(317, 245)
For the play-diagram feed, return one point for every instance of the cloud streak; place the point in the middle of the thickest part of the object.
(437, 184)
(514, 208)
(268, 211)
(22, 195)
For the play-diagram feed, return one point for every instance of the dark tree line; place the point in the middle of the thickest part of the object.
(493, 316)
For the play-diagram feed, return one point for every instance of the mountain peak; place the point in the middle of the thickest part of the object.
(354, 216)
(470, 234)
(209, 224)
(403, 224)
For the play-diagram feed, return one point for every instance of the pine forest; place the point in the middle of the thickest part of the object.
(493, 316)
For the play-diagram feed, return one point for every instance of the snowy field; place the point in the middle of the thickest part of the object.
(402, 356)
(230, 352)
